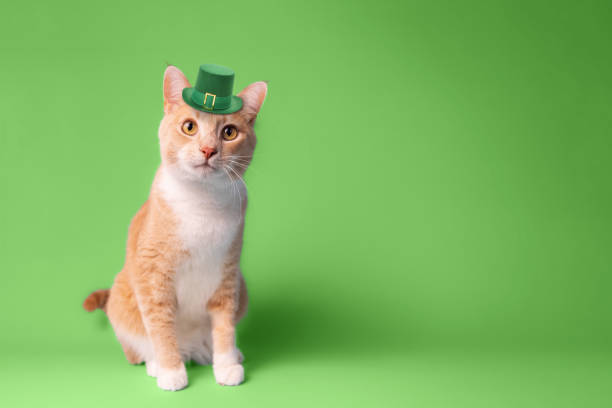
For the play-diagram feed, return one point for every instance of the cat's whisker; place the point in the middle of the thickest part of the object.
(243, 161)
(231, 182)
(226, 184)
(237, 161)
(239, 178)
(233, 170)
(242, 166)
(237, 191)
(245, 164)
(229, 167)
(239, 164)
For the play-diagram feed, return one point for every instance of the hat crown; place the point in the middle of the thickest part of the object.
(215, 79)
(213, 91)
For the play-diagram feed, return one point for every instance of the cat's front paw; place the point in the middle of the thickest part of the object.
(229, 375)
(172, 380)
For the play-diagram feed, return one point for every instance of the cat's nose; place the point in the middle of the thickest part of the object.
(208, 151)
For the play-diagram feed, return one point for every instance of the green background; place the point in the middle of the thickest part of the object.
(429, 219)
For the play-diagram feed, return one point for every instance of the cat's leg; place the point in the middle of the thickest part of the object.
(243, 301)
(132, 356)
(140, 351)
(157, 303)
(152, 368)
(124, 315)
(222, 308)
(243, 298)
(226, 357)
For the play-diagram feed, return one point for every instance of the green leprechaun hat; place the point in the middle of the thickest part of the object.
(213, 91)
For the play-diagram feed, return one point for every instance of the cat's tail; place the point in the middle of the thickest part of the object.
(96, 300)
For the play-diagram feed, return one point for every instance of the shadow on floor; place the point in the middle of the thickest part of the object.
(286, 327)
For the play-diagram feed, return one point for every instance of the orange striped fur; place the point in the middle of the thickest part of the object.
(181, 291)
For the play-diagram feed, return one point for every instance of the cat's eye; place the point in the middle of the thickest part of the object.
(229, 132)
(189, 127)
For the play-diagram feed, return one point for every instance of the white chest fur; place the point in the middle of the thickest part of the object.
(208, 218)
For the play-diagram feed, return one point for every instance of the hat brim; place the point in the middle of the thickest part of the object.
(235, 104)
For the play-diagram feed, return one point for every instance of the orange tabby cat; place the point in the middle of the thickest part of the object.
(181, 291)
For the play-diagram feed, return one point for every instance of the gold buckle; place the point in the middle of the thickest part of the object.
(206, 99)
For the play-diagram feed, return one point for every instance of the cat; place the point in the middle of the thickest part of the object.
(181, 292)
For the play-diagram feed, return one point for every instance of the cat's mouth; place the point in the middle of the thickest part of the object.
(205, 167)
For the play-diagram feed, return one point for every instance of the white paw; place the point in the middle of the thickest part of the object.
(152, 368)
(229, 375)
(172, 380)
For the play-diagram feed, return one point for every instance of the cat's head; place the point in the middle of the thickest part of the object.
(201, 146)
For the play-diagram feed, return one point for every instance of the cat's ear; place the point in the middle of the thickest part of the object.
(174, 83)
(252, 98)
